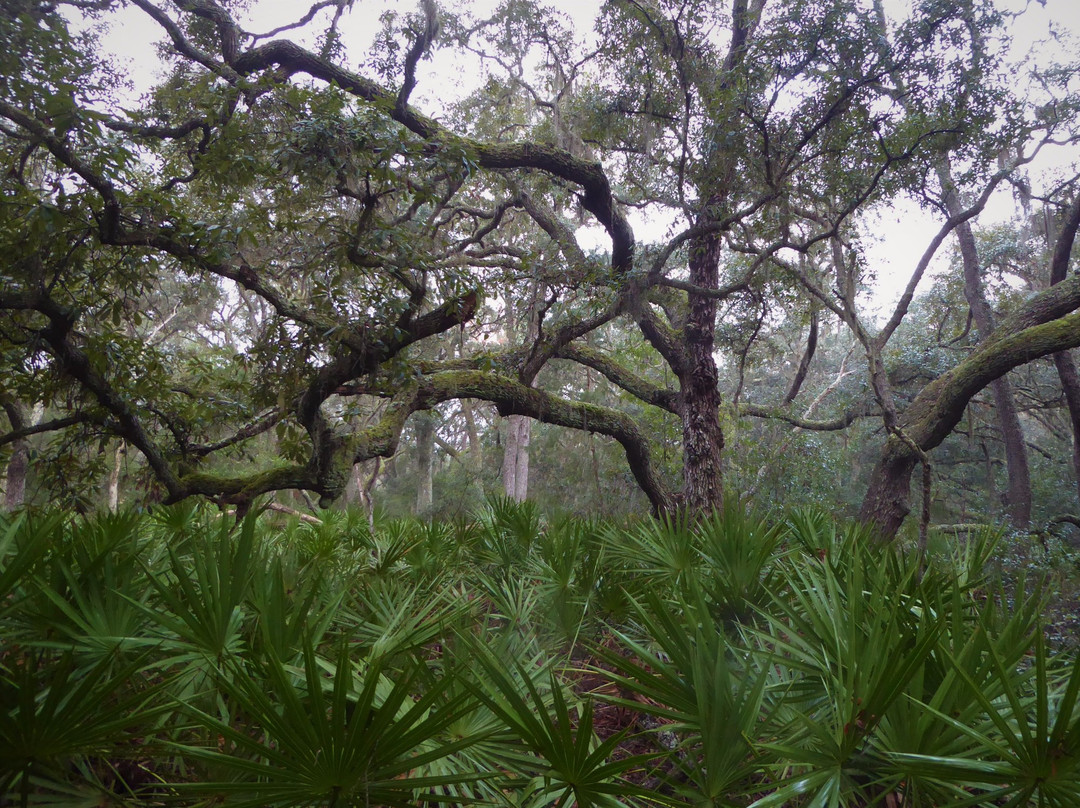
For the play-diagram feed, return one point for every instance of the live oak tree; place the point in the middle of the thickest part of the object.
(347, 226)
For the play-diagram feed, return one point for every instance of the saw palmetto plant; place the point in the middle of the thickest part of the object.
(183, 658)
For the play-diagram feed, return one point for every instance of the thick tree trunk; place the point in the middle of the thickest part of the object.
(518, 432)
(515, 466)
(521, 479)
(703, 438)
(425, 444)
(365, 488)
(113, 495)
(886, 502)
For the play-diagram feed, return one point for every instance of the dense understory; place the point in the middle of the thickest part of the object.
(180, 657)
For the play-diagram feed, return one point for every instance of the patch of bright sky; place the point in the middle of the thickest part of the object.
(894, 237)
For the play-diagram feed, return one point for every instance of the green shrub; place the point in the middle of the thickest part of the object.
(179, 657)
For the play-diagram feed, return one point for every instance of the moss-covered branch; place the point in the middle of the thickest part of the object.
(622, 377)
(514, 398)
(1042, 326)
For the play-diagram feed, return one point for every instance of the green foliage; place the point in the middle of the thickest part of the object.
(707, 691)
(182, 657)
(351, 741)
(52, 713)
(569, 765)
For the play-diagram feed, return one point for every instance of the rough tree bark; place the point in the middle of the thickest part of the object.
(699, 391)
(703, 438)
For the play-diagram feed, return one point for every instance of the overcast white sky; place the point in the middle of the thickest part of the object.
(903, 231)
